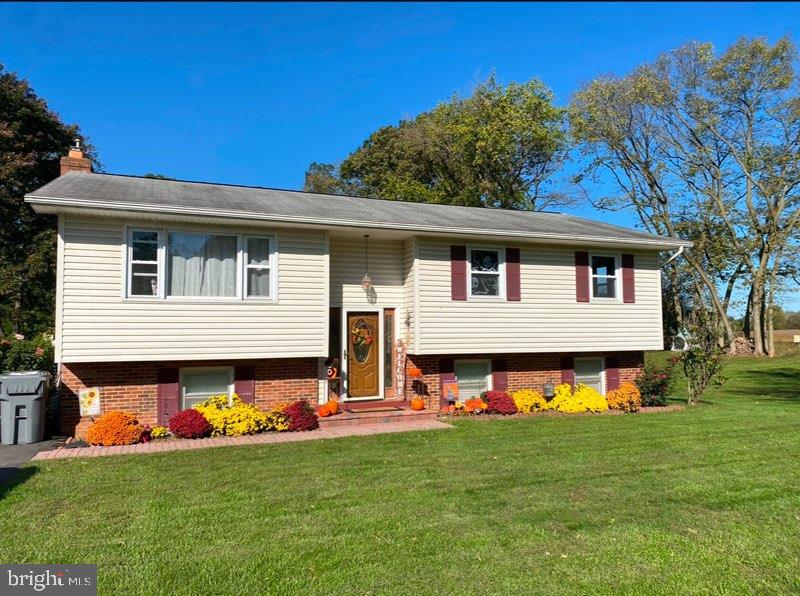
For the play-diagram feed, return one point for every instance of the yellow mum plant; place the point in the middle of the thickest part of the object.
(626, 398)
(237, 418)
(159, 432)
(584, 399)
(529, 400)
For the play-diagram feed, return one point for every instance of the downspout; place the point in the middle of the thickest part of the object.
(678, 253)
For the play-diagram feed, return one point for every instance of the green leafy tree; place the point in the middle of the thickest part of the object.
(499, 147)
(703, 362)
(706, 146)
(32, 139)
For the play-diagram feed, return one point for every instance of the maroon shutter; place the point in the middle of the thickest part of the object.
(458, 272)
(568, 370)
(612, 373)
(628, 284)
(244, 384)
(499, 375)
(168, 396)
(512, 275)
(582, 276)
(447, 374)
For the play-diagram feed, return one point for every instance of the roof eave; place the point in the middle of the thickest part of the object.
(43, 204)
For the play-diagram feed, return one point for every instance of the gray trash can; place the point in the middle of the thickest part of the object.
(23, 406)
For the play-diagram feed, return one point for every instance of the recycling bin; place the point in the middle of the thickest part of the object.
(23, 406)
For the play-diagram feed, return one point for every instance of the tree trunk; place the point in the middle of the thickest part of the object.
(16, 317)
(755, 318)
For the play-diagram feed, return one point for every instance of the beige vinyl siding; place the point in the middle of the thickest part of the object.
(385, 270)
(409, 292)
(547, 319)
(98, 324)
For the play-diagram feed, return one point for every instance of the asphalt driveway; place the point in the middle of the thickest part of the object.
(13, 457)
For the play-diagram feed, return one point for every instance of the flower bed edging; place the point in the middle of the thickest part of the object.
(642, 410)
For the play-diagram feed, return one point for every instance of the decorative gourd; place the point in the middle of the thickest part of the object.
(417, 403)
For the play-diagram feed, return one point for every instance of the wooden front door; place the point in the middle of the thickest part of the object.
(363, 346)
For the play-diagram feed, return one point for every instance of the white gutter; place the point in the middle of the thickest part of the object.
(678, 253)
(221, 213)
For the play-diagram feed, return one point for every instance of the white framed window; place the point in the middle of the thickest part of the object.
(178, 264)
(591, 372)
(473, 378)
(202, 265)
(605, 276)
(198, 384)
(485, 269)
(258, 267)
(144, 263)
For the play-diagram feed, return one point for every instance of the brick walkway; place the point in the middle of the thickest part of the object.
(360, 430)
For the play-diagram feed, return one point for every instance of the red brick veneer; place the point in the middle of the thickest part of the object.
(524, 370)
(132, 386)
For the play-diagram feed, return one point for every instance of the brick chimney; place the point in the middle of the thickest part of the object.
(75, 161)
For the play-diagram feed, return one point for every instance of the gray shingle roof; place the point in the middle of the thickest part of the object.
(114, 192)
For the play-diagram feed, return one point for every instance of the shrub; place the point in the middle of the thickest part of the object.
(583, 399)
(190, 424)
(654, 383)
(475, 405)
(159, 432)
(529, 400)
(27, 354)
(500, 402)
(114, 428)
(626, 398)
(277, 420)
(301, 416)
(232, 419)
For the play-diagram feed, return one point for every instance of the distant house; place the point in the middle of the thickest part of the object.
(170, 291)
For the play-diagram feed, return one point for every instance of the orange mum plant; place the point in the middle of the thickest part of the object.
(114, 428)
(626, 398)
(475, 405)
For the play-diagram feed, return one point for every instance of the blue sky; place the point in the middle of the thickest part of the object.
(252, 93)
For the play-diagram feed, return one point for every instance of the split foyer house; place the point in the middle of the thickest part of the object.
(171, 291)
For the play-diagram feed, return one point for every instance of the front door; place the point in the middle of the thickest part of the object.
(363, 347)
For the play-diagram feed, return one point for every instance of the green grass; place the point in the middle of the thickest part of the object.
(702, 500)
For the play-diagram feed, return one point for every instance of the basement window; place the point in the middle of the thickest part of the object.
(472, 377)
(198, 384)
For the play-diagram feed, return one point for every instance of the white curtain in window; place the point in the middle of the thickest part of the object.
(201, 265)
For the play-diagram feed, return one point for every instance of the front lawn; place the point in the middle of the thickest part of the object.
(702, 500)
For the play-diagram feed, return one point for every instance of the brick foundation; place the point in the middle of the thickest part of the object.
(525, 371)
(132, 386)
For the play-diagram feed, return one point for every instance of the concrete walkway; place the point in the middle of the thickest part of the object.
(360, 430)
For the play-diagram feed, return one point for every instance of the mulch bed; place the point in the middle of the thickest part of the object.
(644, 410)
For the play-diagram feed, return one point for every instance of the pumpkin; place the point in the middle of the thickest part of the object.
(323, 411)
(417, 403)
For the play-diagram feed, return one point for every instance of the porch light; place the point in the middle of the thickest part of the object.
(366, 281)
